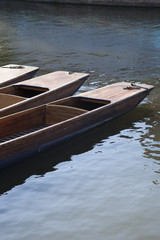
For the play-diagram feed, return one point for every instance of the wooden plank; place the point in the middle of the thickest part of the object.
(53, 80)
(66, 88)
(7, 100)
(116, 92)
(58, 113)
(22, 121)
(13, 73)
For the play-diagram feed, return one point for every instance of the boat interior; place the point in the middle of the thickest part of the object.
(85, 103)
(17, 93)
(17, 125)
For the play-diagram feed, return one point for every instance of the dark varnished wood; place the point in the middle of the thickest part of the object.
(64, 118)
(40, 90)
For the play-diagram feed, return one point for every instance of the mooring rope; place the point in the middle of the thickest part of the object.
(13, 67)
(134, 86)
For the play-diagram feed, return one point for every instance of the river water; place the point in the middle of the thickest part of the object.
(103, 184)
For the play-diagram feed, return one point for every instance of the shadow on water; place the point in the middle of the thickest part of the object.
(44, 162)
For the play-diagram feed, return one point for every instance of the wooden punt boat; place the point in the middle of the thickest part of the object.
(39, 90)
(33, 130)
(13, 73)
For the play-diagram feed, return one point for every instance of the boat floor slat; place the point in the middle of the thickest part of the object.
(11, 137)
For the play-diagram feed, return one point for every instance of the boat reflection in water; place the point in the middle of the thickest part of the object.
(66, 118)
(150, 140)
(41, 163)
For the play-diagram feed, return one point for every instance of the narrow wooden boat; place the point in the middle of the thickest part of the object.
(33, 130)
(12, 73)
(39, 90)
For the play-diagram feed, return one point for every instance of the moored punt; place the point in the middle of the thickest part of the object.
(39, 90)
(57, 121)
(12, 73)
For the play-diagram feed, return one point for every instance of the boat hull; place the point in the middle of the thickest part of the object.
(54, 134)
(12, 73)
(70, 84)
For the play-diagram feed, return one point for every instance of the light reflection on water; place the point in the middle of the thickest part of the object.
(103, 184)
